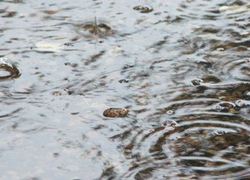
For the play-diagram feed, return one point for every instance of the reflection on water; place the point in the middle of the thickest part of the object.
(180, 69)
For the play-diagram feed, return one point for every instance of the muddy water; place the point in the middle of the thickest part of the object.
(181, 68)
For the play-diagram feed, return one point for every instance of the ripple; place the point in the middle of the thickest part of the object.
(143, 9)
(181, 70)
(9, 114)
(180, 67)
(198, 138)
(8, 71)
(92, 29)
(207, 145)
(239, 69)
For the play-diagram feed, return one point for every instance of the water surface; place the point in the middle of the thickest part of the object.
(182, 68)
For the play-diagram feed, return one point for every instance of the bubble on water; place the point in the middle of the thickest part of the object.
(169, 112)
(197, 82)
(220, 49)
(225, 106)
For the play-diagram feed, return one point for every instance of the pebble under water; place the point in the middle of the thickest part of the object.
(179, 70)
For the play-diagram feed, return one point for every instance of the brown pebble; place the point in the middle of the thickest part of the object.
(115, 112)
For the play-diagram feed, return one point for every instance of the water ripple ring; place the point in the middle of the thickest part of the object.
(11, 69)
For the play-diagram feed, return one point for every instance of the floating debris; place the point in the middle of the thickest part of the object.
(115, 112)
(143, 9)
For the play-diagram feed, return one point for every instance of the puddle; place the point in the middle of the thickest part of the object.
(177, 74)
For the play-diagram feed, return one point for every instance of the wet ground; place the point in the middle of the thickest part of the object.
(181, 68)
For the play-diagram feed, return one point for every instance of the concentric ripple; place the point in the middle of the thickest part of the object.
(197, 137)
(96, 28)
(143, 9)
(210, 144)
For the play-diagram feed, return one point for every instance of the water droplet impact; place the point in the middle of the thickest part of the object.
(8, 71)
(143, 9)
